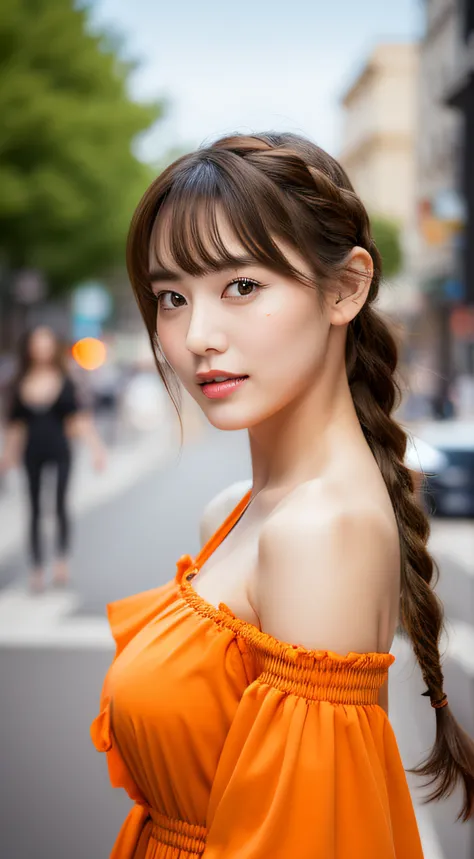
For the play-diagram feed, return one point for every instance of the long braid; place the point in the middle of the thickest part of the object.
(371, 358)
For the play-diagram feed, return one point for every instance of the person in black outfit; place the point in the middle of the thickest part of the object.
(44, 411)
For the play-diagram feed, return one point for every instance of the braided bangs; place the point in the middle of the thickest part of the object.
(266, 192)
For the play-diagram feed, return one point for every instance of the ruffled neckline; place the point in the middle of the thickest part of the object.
(263, 642)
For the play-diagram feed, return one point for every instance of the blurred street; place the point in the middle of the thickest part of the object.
(55, 648)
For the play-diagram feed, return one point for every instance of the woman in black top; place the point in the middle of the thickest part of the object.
(43, 412)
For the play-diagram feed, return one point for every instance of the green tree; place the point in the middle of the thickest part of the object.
(68, 173)
(386, 235)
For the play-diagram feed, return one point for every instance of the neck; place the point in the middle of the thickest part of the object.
(302, 441)
(40, 366)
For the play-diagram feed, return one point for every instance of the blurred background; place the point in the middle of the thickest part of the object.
(96, 98)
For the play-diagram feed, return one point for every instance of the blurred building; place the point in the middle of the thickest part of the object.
(379, 153)
(408, 147)
(379, 129)
(445, 330)
(438, 222)
(460, 97)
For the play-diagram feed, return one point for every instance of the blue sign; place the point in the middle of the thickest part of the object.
(453, 289)
(449, 205)
(91, 306)
(83, 326)
(92, 301)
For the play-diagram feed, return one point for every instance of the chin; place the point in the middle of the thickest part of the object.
(227, 423)
(237, 418)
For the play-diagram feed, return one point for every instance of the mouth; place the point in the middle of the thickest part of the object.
(221, 387)
(219, 379)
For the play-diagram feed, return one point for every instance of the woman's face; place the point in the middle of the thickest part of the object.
(42, 346)
(246, 321)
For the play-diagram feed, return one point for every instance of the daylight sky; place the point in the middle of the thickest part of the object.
(251, 65)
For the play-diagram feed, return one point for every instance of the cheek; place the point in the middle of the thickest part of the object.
(290, 337)
(171, 345)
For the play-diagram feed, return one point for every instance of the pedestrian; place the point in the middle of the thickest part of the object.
(246, 709)
(43, 413)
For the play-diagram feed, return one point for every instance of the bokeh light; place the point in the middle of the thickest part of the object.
(89, 353)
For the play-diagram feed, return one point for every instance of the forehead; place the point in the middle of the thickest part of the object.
(42, 334)
(208, 243)
(209, 240)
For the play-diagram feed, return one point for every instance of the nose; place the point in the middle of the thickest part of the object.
(205, 333)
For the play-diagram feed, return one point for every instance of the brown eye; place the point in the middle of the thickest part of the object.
(245, 287)
(174, 296)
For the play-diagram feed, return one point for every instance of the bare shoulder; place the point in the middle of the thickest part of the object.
(219, 507)
(324, 569)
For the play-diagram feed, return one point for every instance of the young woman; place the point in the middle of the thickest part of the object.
(43, 412)
(246, 709)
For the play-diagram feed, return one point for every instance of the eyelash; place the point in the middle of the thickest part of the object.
(249, 280)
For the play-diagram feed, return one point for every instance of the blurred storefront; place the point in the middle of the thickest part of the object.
(444, 332)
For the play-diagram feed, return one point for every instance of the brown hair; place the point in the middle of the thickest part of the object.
(282, 186)
(25, 360)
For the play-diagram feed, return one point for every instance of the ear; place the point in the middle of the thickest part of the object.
(353, 290)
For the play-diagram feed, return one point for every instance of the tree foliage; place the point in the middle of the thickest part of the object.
(68, 174)
(386, 235)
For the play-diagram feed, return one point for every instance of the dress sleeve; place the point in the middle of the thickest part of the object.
(311, 768)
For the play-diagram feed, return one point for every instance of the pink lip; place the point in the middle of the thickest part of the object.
(217, 390)
(211, 374)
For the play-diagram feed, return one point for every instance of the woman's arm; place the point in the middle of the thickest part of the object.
(13, 445)
(82, 425)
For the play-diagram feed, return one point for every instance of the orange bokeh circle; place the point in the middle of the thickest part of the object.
(89, 353)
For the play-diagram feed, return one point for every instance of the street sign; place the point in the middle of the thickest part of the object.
(453, 288)
(84, 326)
(91, 306)
(91, 300)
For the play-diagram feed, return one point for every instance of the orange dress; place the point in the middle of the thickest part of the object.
(235, 745)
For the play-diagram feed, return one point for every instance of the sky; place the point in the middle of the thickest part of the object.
(251, 65)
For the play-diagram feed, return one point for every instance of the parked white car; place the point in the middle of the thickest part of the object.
(444, 451)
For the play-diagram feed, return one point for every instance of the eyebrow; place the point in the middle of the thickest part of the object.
(157, 275)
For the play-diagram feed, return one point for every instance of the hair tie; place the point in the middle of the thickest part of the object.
(441, 703)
